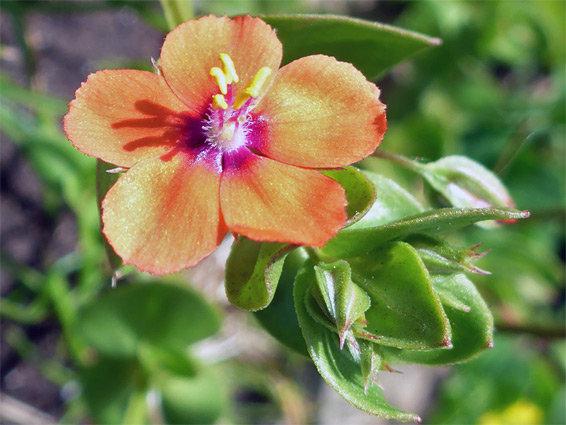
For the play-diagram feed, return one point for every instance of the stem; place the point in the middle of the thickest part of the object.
(399, 160)
(312, 254)
(177, 11)
(548, 330)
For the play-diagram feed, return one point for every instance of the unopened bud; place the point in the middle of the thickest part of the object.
(465, 183)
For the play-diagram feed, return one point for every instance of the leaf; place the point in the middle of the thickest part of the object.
(197, 400)
(163, 315)
(252, 272)
(392, 203)
(371, 47)
(405, 311)
(355, 242)
(472, 331)
(345, 301)
(279, 318)
(360, 193)
(337, 367)
(108, 385)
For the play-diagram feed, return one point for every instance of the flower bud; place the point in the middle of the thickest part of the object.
(467, 184)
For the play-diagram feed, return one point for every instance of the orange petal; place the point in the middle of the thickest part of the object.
(192, 49)
(320, 113)
(269, 201)
(125, 116)
(164, 216)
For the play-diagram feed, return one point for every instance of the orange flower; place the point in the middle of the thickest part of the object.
(223, 140)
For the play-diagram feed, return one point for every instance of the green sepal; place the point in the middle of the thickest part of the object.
(337, 367)
(345, 301)
(472, 330)
(371, 363)
(360, 192)
(440, 257)
(279, 318)
(253, 270)
(405, 311)
(371, 47)
(355, 242)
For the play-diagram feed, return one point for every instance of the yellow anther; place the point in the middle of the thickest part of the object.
(254, 87)
(218, 102)
(220, 79)
(229, 68)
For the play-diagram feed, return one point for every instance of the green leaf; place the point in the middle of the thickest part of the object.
(472, 331)
(197, 400)
(405, 311)
(392, 203)
(108, 385)
(164, 315)
(279, 318)
(345, 300)
(252, 272)
(337, 367)
(371, 47)
(360, 193)
(355, 242)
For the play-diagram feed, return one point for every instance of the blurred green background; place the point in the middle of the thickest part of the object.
(495, 90)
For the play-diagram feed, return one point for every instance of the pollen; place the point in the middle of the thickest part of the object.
(219, 102)
(221, 80)
(226, 76)
(253, 88)
(229, 68)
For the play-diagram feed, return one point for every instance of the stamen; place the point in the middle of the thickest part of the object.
(219, 102)
(229, 68)
(220, 79)
(254, 87)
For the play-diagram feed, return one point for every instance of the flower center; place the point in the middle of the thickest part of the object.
(226, 124)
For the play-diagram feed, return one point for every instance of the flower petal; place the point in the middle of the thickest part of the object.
(192, 49)
(319, 113)
(163, 216)
(269, 201)
(125, 116)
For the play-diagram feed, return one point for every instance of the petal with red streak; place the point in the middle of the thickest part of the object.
(319, 113)
(126, 116)
(192, 49)
(269, 201)
(164, 216)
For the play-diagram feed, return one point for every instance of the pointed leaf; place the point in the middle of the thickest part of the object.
(405, 311)
(252, 272)
(345, 300)
(337, 367)
(371, 47)
(360, 192)
(354, 242)
(472, 331)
